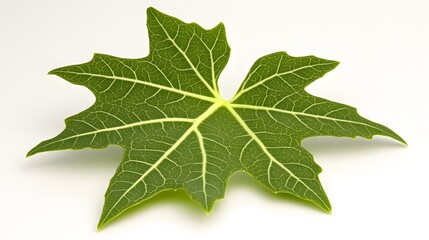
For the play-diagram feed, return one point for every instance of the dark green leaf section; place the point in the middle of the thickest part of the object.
(189, 50)
(273, 95)
(201, 164)
(129, 96)
(166, 112)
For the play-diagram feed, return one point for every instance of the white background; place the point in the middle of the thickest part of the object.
(378, 188)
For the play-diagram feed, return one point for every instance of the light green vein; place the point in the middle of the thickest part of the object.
(191, 129)
(194, 95)
(154, 121)
(212, 62)
(204, 165)
(246, 106)
(265, 150)
(243, 90)
(186, 58)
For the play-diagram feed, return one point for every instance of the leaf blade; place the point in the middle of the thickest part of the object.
(320, 197)
(166, 112)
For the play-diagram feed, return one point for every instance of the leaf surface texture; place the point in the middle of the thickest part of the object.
(166, 112)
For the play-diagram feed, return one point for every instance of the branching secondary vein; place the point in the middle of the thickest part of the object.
(194, 95)
(271, 157)
(193, 128)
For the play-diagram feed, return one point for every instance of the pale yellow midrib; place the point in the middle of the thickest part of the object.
(243, 90)
(246, 106)
(204, 165)
(205, 98)
(186, 58)
(161, 120)
(264, 149)
(191, 129)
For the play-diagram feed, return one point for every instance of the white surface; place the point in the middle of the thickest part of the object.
(378, 188)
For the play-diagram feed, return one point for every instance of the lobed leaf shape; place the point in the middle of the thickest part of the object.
(166, 112)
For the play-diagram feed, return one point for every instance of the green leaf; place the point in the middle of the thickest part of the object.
(166, 112)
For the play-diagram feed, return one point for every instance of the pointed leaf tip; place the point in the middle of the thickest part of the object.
(52, 72)
(29, 154)
(152, 11)
(399, 138)
(33, 151)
